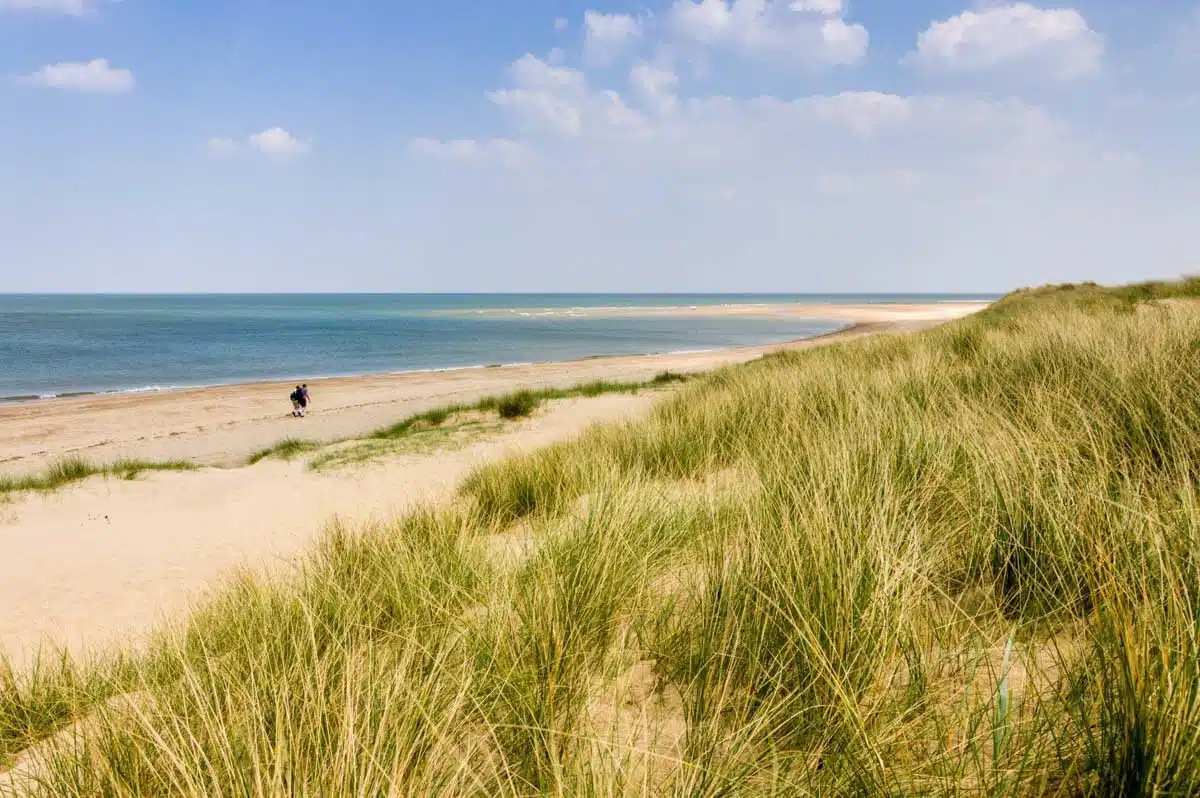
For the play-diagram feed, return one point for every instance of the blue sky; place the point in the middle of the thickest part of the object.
(680, 145)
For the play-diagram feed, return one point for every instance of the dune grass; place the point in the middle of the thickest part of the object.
(76, 469)
(286, 449)
(960, 562)
(457, 431)
(522, 403)
(507, 407)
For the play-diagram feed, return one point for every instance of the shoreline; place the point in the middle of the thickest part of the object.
(223, 425)
(834, 313)
(31, 399)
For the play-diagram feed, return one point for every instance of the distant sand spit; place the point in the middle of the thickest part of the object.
(856, 313)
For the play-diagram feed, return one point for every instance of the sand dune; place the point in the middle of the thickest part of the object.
(107, 557)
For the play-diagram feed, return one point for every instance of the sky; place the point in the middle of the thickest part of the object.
(672, 145)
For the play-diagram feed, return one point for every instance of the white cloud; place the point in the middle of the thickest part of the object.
(71, 8)
(811, 31)
(830, 8)
(656, 84)
(275, 143)
(502, 152)
(540, 109)
(531, 72)
(606, 36)
(602, 27)
(1058, 40)
(278, 143)
(731, 141)
(953, 189)
(620, 118)
(544, 96)
(548, 99)
(723, 183)
(96, 76)
(562, 112)
(561, 23)
(862, 112)
(842, 43)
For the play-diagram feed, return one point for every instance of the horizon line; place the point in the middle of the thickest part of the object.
(491, 293)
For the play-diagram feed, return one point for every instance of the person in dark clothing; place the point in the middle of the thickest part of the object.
(297, 396)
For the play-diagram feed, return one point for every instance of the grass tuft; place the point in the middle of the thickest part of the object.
(669, 378)
(286, 449)
(71, 470)
(520, 404)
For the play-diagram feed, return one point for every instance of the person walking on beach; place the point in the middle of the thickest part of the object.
(297, 408)
(303, 398)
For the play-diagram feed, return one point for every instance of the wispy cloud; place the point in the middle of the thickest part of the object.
(72, 8)
(606, 36)
(487, 152)
(95, 76)
(276, 143)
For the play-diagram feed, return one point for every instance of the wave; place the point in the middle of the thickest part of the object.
(42, 397)
(148, 389)
(36, 397)
(697, 351)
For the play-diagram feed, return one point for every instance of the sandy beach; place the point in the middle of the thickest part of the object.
(105, 558)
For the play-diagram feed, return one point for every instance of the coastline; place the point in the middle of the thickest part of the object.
(222, 425)
(832, 313)
(31, 399)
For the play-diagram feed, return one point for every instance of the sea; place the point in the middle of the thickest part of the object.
(63, 345)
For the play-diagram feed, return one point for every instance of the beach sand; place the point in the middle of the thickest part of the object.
(104, 559)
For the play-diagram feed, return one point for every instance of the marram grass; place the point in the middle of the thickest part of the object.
(71, 470)
(964, 562)
(507, 407)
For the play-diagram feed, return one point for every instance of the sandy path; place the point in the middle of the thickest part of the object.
(106, 558)
(222, 426)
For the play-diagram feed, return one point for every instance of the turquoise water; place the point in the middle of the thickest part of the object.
(55, 345)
